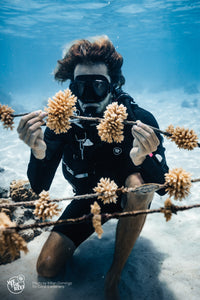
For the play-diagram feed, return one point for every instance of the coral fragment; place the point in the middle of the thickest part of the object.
(96, 219)
(44, 208)
(59, 110)
(184, 138)
(178, 183)
(108, 189)
(168, 209)
(10, 241)
(6, 116)
(111, 127)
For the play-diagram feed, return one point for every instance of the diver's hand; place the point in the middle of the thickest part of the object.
(30, 132)
(145, 142)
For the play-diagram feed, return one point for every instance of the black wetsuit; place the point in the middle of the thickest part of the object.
(85, 159)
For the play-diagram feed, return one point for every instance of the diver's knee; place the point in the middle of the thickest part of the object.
(56, 251)
(136, 200)
(134, 179)
(46, 267)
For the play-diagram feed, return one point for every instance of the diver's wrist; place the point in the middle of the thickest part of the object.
(138, 160)
(39, 154)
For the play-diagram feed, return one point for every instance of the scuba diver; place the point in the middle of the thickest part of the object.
(94, 70)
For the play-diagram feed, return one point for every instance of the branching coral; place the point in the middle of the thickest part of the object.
(60, 109)
(6, 116)
(168, 209)
(178, 183)
(10, 241)
(108, 189)
(44, 208)
(96, 219)
(111, 127)
(184, 138)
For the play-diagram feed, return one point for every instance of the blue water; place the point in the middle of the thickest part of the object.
(159, 41)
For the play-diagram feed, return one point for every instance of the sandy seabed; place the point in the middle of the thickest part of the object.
(165, 261)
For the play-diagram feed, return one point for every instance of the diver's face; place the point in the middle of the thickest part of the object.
(93, 82)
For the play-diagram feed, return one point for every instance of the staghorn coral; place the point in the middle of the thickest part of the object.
(168, 209)
(184, 138)
(95, 208)
(20, 190)
(44, 208)
(96, 219)
(178, 183)
(60, 109)
(111, 127)
(108, 189)
(6, 116)
(11, 242)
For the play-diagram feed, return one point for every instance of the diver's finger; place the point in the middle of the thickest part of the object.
(34, 120)
(144, 126)
(31, 125)
(142, 139)
(145, 133)
(146, 143)
(25, 119)
(34, 136)
(26, 134)
(152, 133)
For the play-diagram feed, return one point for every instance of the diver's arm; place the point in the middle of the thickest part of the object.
(30, 132)
(41, 171)
(151, 154)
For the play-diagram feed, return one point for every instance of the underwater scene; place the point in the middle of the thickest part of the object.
(159, 42)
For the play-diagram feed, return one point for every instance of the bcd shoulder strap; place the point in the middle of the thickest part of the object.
(123, 98)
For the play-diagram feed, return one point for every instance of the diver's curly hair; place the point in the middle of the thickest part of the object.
(100, 50)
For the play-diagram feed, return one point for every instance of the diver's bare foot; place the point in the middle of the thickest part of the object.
(111, 288)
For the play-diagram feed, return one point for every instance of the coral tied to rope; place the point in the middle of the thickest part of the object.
(111, 127)
(178, 183)
(44, 208)
(107, 189)
(59, 110)
(168, 209)
(6, 116)
(96, 219)
(10, 241)
(62, 109)
(184, 138)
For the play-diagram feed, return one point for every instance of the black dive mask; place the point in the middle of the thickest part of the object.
(90, 88)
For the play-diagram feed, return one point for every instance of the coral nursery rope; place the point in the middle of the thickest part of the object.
(61, 111)
(142, 189)
(98, 120)
(166, 133)
(145, 188)
(32, 202)
(105, 217)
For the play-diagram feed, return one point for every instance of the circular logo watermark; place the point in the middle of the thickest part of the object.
(16, 284)
(117, 150)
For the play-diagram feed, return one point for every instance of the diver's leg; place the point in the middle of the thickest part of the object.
(64, 239)
(128, 230)
(55, 253)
